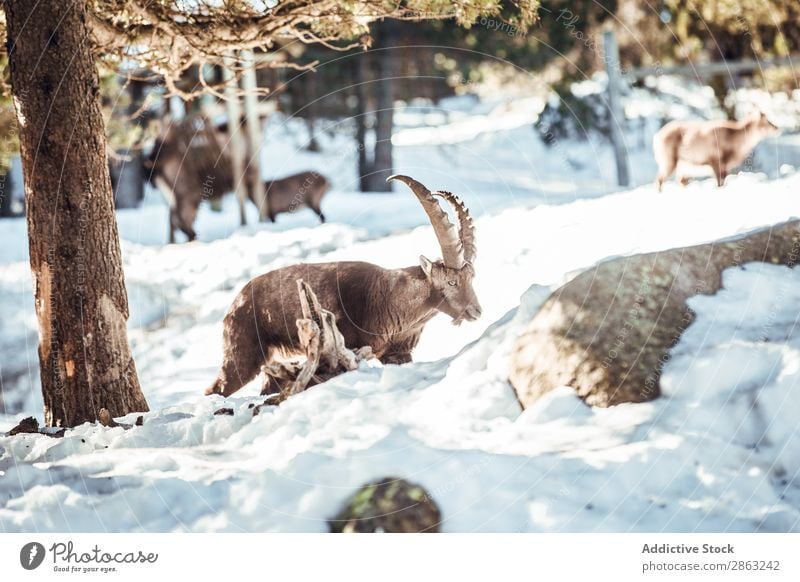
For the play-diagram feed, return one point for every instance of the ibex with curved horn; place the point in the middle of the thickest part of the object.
(385, 309)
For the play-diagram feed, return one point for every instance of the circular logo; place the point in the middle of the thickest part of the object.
(31, 555)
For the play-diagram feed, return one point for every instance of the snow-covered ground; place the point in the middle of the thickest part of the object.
(719, 452)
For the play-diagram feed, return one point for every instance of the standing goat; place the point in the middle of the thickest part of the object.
(189, 164)
(723, 145)
(385, 309)
(303, 190)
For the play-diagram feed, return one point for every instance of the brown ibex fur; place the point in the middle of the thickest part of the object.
(723, 145)
(303, 190)
(385, 309)
(188, 165)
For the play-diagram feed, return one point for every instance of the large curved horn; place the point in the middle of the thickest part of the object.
(446, 232)
(466, 228)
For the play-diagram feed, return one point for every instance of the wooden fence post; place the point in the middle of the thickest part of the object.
(616, 113)
(235, 141)
(253, 127)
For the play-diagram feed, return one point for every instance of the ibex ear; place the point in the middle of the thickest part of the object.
(426, 264)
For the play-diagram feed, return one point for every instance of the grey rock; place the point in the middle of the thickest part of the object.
(607, 332)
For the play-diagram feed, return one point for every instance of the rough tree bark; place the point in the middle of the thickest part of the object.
(375, 98)
(81, 303)
(361, 66)
(384, 114)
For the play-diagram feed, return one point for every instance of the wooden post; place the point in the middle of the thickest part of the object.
(253, 129)
(235, 141)
(615, 110)
(207, 72)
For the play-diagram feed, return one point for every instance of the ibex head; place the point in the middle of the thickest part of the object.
(761, 122)
(451, 277)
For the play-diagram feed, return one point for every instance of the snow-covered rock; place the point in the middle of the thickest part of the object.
(607, 332)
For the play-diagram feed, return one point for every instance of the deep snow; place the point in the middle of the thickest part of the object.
(719, 452)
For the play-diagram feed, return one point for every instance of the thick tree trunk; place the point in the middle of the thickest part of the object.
(81, 303)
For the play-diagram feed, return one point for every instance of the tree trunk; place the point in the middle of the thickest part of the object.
(384, 116)
(362, 97)
(81, 303)
(312, 94)
(6, 193)
(719, 83)
(126, 179)
(129, 186)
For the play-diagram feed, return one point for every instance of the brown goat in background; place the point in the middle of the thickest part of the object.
(303, 190)
(189, 164)
(723, 145)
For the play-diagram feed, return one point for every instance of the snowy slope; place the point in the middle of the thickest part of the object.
(717, 452)
(698, 459)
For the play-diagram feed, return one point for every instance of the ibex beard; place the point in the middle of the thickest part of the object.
(385, 309)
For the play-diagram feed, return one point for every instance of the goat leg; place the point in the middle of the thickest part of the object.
(278, 375)
(399, 358)
(364, 353)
